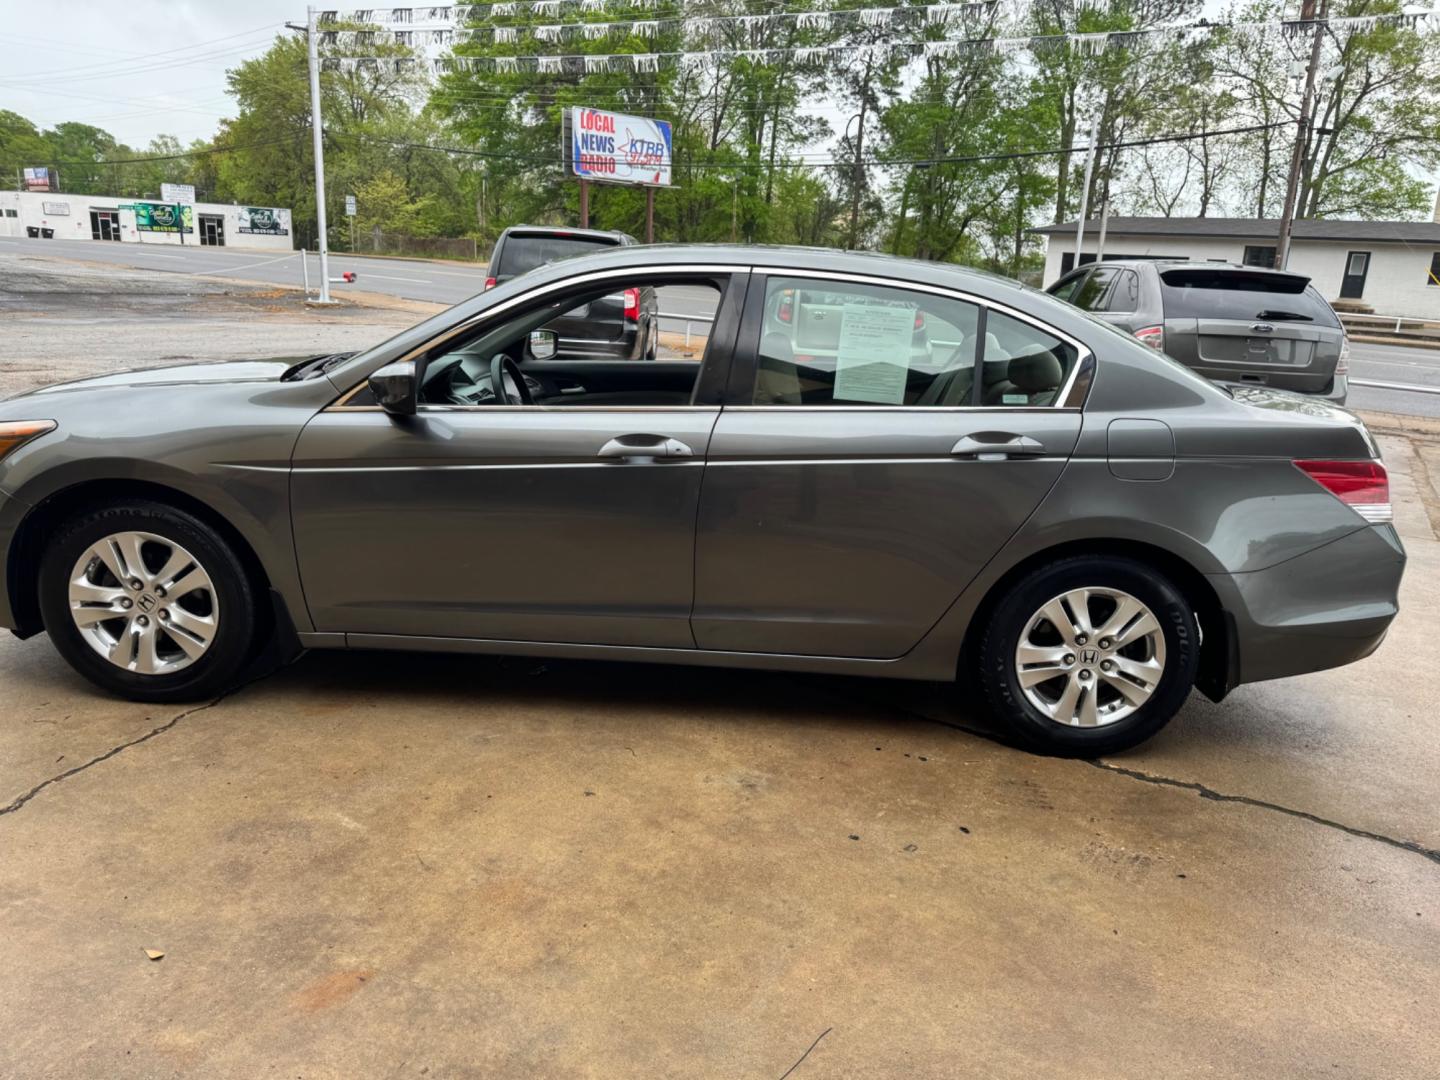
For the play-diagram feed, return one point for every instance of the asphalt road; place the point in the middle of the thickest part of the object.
(449, 283)
(1399, 364)
(408, 279)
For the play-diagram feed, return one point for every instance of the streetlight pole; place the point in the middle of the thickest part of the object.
(1302, 132)
(313, 49)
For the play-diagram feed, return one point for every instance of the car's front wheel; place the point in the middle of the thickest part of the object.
(1089, 655)
(149, 602)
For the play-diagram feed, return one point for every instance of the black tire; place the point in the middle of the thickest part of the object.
(999, 677)
(234, 642)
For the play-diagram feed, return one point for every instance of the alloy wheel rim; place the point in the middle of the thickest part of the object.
(1090, 657)
(144, 603)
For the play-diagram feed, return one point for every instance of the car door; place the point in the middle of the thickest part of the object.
(554, 522)
(849, 498)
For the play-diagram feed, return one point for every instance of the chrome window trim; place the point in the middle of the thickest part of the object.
(1083, 351)
(526, 297)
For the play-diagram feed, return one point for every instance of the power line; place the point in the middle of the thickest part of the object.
(120, 66)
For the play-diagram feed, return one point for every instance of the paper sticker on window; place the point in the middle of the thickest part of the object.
(1015, 399)
(874, 353)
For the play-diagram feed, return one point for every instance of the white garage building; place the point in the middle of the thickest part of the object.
(1389, 267)
(110, 218)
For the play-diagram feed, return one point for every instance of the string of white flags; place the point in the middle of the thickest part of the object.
(458, 14)
(822, 55)
(878, 17)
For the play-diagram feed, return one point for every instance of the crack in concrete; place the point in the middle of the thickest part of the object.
(21, 800)
(1412, 846)
(1245, 800)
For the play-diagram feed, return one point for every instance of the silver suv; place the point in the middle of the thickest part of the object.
(1233, 324)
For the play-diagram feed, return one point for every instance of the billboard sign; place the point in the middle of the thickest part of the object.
(264, 221)
(181, 193)
(162, 217)
(619, 149)
(41, 179)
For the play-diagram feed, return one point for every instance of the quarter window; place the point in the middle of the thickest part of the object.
(844, 343)
(1125, 293)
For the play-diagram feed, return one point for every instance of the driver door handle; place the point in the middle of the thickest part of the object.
(997, 446)
(645, 446)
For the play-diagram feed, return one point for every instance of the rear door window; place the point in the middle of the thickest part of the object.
(1243, 295)
(1092, 295)
(849, 343)
(520, 253)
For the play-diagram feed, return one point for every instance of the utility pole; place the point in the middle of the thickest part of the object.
(312, 41)
(1104, 221)
(1085, 189)
(1302, 131)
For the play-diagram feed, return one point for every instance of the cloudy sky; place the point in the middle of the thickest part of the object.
(136, 68)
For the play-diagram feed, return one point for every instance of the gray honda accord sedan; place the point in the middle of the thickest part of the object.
(867, 466)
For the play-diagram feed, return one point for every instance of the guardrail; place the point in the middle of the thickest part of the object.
(1420, 322)
(674, 316)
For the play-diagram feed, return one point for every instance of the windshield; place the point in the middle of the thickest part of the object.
(521, 253)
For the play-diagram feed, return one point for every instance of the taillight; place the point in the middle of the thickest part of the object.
(919, 320)
(1154, 336)
(786, 311)
(489, 283)
(1364, 486)
(1342, 367)
(632, 304)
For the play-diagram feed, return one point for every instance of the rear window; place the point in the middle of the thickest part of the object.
(1202, 293)
(521, 253)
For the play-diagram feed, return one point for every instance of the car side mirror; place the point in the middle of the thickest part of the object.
(544, 344)
(395, 389)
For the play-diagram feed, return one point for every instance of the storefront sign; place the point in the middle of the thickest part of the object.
(178, 193)
(163, 217)
(56, 209)
(619, 149)
(264, 221)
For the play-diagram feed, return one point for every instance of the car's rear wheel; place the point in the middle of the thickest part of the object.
(149, 602)
(1089, 656)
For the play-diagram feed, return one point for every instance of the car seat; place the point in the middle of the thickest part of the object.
(777, 382)
(1036, 376)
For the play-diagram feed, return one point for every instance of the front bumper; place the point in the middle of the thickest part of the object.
(12, 510)
(1326, 608)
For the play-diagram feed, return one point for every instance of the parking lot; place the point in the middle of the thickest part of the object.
(399, 865)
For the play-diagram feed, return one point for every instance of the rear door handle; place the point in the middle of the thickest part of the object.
(997, 446)
(645, 446)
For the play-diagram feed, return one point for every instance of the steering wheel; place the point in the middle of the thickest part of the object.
(507, 383)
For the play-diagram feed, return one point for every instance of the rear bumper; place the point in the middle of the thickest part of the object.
(1326, 608)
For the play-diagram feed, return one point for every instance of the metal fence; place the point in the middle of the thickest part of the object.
(378, 242)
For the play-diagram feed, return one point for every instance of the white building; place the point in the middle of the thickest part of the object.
(1390, 267)
(109, 218)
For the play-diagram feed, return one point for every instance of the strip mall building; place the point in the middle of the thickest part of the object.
(117, 219)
